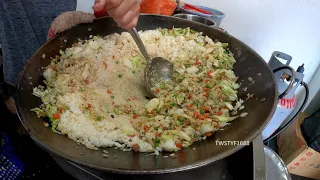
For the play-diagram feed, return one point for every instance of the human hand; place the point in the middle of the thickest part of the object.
(123, 12)
(68, 19)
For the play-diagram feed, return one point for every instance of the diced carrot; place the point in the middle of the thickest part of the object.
(208, 134)
(219, 113)
(209, 73)
(190, 96)
(206, 109)
(146, 128)
(112, 102)
(60, 109)
(109, 91)
(135, 147)
(156, 91)
(206, 95)
(56, 116)
(206, 89)
(86, 81)
(198, 63)
(207, 57)
(135, 116)
(179, 145)
(89, 106)
(206, 80)
(195, 114)
(113, 57)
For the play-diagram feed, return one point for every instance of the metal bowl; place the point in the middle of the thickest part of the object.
(198, 19)
(215, 15)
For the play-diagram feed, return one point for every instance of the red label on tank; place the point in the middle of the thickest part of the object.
(288, 103)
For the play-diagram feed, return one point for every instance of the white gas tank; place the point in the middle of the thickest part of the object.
(286, 104)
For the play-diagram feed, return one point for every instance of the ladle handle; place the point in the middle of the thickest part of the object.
(139, 43)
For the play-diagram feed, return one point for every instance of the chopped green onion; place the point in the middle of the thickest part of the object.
(174, 95)
(134, 112)
(112, 97)
(133, 72)
(173, 104)
(158, 110)
(117, 62)
(99, 118)
(156, 128)
(201, 111)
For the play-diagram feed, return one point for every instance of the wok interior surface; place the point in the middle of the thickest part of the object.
(249, 64)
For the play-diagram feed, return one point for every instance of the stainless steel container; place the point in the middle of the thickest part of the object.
(275, 167)
(215, 15)
(199, 19)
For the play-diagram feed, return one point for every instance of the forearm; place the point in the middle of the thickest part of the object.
(67, 20)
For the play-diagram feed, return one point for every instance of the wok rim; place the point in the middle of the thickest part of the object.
(189, 166)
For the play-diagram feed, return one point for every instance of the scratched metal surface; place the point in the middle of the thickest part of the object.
(237, 166)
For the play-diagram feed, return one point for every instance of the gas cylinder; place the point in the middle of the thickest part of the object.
(286, 104)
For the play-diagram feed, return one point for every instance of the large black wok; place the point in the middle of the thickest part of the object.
(249, 64)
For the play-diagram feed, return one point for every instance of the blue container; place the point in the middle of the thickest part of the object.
(10, 165)
(216, 15)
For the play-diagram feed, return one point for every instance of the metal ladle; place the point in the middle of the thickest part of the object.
(157, 68)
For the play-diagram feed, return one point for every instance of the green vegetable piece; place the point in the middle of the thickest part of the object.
(181, 119)
(61, 52)
(116, 111)
(136, 61)
(117, 62)
(99, 118)
(157, 140)
(162, 85)
(198, 103)
(209, 86)
(156, 128)
(112, 97)
(156, 144)
(201, 111)
(173, 104)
